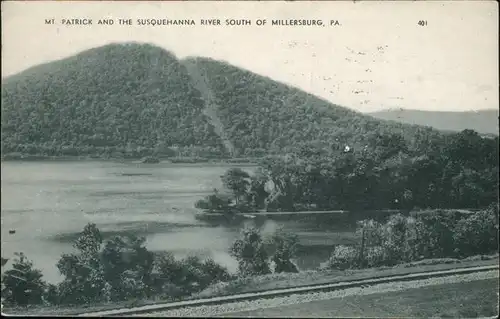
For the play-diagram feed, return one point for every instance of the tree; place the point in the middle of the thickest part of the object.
(89, 242)
(257, 194)
(83, 272)
(127, 267)
(477, 234)
(214, 202)
(465, 146)
(23, 284)
(237, 181)
(250, 253)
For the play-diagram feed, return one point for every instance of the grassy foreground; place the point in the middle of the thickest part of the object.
(276, 281)
(289, 280)
(473, 299)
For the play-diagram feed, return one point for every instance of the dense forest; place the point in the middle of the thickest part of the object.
(263, 115)
(462, 173)
(136, 100)
(125, 99)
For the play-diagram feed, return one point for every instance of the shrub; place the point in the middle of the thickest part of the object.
(429, 234)
(250, 253)
(215, 272)
(51, 295)
(343, 257)
(284, 247)
(127, 266)
(214, 202)
(373, 232)
(375, 257)
(192, 277)
(186, 276)
(435, 229)
(400, 239)
(477, 234)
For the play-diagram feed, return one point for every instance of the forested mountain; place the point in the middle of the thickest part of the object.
(120, 98)
(481, 121)
(135, 100)
(261, 115)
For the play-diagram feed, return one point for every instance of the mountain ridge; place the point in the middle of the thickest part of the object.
(139, 99)
(484, 121)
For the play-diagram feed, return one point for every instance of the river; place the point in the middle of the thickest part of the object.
(48, 204)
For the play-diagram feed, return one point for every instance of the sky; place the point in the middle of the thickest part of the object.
(377, 58)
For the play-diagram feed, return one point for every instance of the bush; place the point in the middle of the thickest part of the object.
(166, 271)
(51, 295)
(343, 257)
(389, 243)
(375, 257)
(215, 272)
(428, 234)
(435, 231)
(127, 267)
(477, 234)
(192, 277)
(284, 247)
(214, 203)
(400, 239)
(250, 253)
(184, 277)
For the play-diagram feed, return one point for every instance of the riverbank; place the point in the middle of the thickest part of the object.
(174, 160)
(339, 216)
(324, 276)
(277, 281)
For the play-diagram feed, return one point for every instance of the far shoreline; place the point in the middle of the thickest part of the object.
(136, 160)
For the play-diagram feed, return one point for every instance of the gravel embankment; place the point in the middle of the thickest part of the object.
(214, 310)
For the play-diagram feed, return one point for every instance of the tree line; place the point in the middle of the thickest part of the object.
(422, 235)
(462, 173)
(121, 268)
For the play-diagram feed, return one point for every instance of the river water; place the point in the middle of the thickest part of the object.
(49, 203)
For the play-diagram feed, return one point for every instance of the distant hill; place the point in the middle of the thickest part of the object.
(137, 100)
(482, 121)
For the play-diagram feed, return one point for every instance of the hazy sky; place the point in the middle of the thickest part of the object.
(378, 58)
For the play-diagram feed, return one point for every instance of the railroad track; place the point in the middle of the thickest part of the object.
(277, 293)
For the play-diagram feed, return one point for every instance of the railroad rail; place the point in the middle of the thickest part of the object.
(289, 291)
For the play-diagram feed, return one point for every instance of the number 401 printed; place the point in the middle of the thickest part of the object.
(422, 23)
